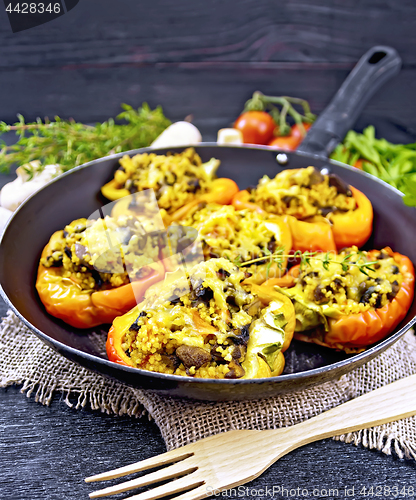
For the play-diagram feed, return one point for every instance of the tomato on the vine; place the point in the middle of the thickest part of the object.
(290, 142)
(285, 143)
(297, 132)
(257, 127)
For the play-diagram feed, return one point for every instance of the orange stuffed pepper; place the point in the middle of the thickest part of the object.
(208, 325)
(323, 212)
(350, 300)
(84, 283)
(180, 181)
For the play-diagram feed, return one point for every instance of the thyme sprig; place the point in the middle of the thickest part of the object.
(305, 259)
(69, 143)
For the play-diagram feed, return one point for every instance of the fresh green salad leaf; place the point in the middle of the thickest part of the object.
(69, 143)
(393, 163)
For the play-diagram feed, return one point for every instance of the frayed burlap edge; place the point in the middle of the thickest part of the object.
(27, 361)
(397, 362)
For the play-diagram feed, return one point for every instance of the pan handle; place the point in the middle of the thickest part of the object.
(374, 68)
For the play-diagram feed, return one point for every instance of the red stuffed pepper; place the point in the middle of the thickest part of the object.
(350, 300)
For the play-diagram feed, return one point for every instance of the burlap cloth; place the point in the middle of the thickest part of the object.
(26, 361)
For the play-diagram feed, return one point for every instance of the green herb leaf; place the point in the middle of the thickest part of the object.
(69, 143)
(393, 163)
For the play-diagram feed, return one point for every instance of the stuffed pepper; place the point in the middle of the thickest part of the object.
(350, 300)
(323, 212)
(206, 325)
(179, 181)
(259, 243)
(85, 281)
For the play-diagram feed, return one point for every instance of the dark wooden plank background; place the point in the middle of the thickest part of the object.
(205, 59)
(202, 58)
(58, 447)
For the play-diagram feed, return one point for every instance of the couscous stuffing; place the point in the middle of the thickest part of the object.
(240, 236)
(85, 254)
(201, 325)
(234, 234)
(175, 178)
(332, 285)
(303, 193)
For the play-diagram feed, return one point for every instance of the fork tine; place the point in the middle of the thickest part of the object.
(163, 459)
(178, 469)
(170, 488)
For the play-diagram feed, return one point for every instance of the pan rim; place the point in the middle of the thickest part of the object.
(370, 353)
(203, 145)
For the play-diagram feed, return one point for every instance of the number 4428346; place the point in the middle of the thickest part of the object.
(34, 8)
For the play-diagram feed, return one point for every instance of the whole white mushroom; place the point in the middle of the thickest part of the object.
(178, 134)
(14, 193)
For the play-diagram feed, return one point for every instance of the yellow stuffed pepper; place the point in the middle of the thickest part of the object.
(180, 181)
(242, 236)
(84, 282)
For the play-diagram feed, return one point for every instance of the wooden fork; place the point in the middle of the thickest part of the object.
(210, 465)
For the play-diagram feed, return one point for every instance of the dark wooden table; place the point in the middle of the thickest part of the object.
(45, 452)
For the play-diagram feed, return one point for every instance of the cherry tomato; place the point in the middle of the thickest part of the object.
(297, 132)
(257, 127)
(290, 142)
(285, 143)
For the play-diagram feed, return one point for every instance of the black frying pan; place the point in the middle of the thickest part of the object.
(76, 194)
